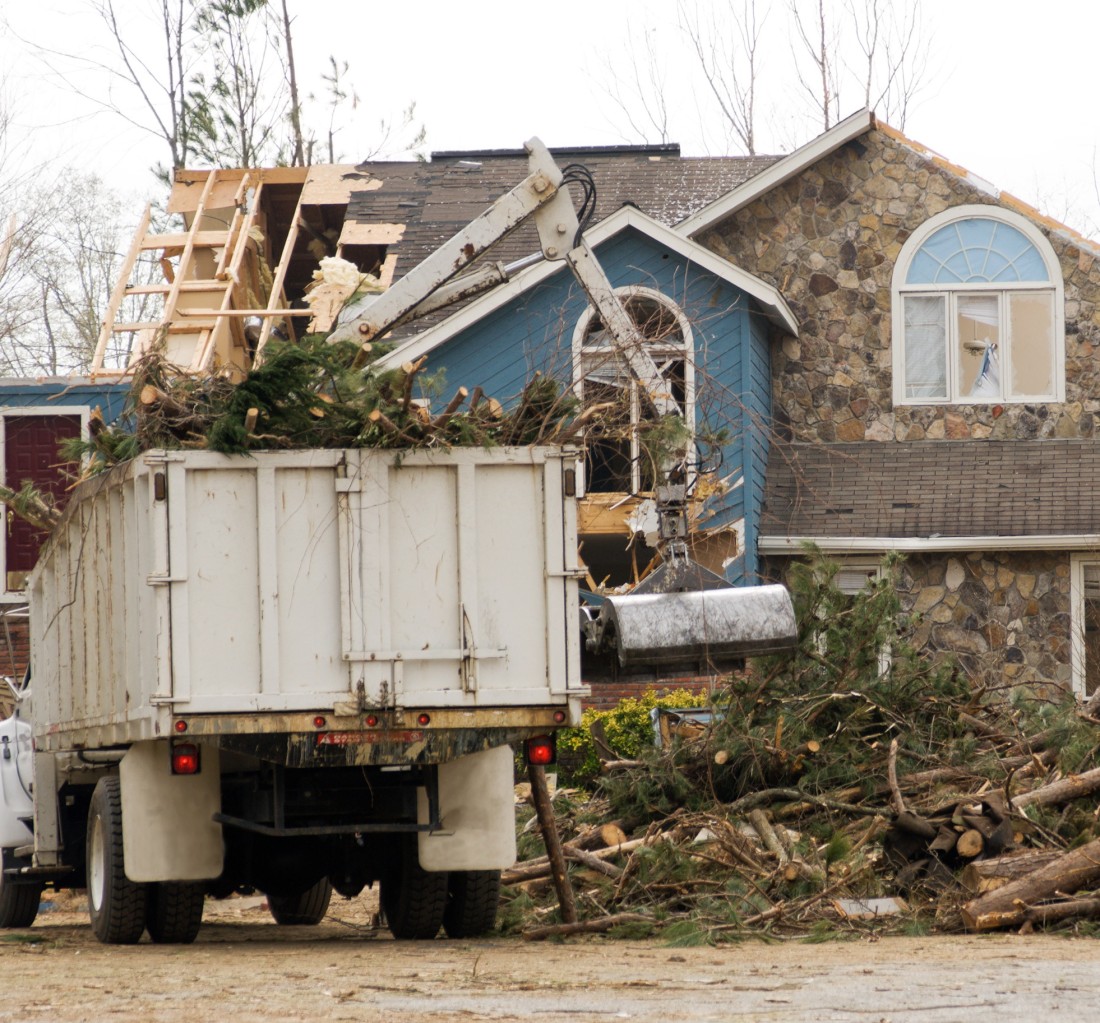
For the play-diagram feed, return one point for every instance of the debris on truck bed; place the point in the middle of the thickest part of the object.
(312, 394)
(822, 796)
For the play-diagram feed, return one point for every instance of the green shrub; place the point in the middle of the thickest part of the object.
(627, 728)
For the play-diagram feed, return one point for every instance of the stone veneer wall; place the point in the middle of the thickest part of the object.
(1004, 615)
(828, 240)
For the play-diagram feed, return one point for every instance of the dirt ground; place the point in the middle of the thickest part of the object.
(245, 969)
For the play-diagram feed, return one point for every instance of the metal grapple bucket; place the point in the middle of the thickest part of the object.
(709, 630)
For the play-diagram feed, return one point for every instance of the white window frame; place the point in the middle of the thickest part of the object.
(19, 412)
(950, 292)
(685, 350)
(1077, 649)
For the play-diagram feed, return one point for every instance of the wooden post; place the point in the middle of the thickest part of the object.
(540, 794)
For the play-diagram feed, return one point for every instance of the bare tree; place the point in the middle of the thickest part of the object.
(639, 91)
(163, 90)
(815, 29)
(892, 55)
(841, 54)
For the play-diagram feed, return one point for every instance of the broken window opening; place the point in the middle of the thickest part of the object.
(616, 455)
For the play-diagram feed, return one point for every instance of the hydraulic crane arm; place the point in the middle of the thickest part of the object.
(439, 280)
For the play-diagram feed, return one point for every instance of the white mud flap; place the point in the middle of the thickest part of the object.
(167, 831)
(477, 807)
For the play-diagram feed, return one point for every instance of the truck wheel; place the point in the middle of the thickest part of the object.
(472, 900)
(307, 908)
(173, 912)
(115, 903)
(18, 901)
(413, 900)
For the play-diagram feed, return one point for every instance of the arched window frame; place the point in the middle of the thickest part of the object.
(661, 351)
(950, 292)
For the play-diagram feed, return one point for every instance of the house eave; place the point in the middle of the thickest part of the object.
(882, 544)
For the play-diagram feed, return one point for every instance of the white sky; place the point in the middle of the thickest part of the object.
(1012, 94)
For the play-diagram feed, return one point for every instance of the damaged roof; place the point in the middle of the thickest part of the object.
(931, 490)
(430, 202)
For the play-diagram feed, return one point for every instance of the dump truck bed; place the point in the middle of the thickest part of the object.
(317, 581)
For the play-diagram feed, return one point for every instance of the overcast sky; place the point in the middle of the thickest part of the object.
(1011, 92)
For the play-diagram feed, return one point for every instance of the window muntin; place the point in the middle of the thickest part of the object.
(978, 313)
(615, 462)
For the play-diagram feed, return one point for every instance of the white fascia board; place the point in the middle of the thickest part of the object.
(916, 544)
(772, 302)
(850, 128)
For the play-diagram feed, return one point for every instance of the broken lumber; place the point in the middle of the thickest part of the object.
(1008, 905)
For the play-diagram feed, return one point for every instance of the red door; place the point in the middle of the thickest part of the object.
(30, 453)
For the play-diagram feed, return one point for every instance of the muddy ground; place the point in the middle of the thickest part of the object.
(245, 969)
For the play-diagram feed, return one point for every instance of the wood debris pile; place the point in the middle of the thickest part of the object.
(311, 394)
(822, 796)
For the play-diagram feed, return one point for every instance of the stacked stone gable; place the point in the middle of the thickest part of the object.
(828, 239)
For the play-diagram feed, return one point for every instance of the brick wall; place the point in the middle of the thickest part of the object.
(606, 695)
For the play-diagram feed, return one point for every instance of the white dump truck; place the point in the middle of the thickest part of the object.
(306, 671)
(295, 672)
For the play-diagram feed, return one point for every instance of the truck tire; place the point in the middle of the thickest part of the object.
(472, 900)
(173, 912)
(116, 904)
(307, 908)
(18, 901)
(413, 900)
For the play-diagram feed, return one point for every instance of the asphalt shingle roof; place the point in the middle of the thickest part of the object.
(933, 488)
(435, 200)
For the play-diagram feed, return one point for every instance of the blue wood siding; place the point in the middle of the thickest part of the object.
(61, 394)
(534, 332)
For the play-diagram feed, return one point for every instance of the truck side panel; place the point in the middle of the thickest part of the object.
(191, 583)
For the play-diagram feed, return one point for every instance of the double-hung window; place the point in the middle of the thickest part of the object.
(978, 313)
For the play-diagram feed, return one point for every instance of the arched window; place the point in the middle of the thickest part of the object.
(977, 314)
(614, 461)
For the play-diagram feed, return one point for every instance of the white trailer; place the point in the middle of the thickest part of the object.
(296, 671)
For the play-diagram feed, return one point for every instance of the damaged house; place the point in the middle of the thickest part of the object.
(875, 351)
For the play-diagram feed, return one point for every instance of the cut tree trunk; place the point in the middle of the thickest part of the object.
(985, 875)
(545, 810)
(1063, 791)
(1008, 905)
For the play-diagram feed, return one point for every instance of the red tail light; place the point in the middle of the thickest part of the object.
(185, 758)
(540, 750)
